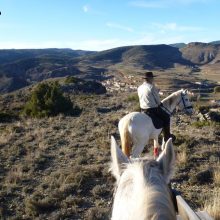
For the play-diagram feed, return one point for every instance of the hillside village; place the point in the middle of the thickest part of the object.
(129, 84)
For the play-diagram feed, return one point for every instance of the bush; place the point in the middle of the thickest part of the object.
(133, 98)
(200, 124)
(217, 89)
(47, 100)
(202, 108)
(71, 79)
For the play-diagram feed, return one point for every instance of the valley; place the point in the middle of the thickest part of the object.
(58, 167)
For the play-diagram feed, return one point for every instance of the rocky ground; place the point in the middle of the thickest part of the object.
(57, 168)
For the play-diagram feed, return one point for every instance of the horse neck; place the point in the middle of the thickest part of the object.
(159, 198)
(171, 101)
(160, 203)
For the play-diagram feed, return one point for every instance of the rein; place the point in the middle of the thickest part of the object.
(185, 107)
(166, 110)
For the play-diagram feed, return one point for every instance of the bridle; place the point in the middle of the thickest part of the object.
(185, 107)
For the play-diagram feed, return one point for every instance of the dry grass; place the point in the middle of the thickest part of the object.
(212, 204)
(182, 158)
(7, 134)
(14, 176)
(57, 168)
(216, 175)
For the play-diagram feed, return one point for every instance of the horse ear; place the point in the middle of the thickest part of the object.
(166, 160)
(185, 91)
(118, 158)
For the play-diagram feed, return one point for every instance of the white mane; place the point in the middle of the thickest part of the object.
(171, 101)
(173, 95)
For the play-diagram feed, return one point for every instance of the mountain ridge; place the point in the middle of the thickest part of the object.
(30, 66)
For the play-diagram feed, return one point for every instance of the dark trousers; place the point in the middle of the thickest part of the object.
(163, 116)
(159, 113)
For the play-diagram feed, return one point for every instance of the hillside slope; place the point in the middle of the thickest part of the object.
(8, 56)
(29, 66)
(143, 56)
(201, 53)
(59, 168)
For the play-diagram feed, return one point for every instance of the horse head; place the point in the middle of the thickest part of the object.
(141, 185)
(184, 103)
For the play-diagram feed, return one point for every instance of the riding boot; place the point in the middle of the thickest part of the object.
(167, 134)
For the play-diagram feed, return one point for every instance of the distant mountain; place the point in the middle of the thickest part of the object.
(215, 42)
(7, 56)
(201, 53)
(143, 56)
(154, 56)
(19, 68)
(178, 45)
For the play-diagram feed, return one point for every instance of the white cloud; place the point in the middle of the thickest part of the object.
(93, 44)
(90, 44)
(118, 26)
(107, 43)
(86, 8)
(104, 44)
(163, 28)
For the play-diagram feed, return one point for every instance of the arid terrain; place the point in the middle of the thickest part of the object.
(57, 167)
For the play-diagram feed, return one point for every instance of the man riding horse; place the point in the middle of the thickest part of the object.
(151, 105)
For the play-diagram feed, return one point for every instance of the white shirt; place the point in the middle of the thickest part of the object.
(148, 96)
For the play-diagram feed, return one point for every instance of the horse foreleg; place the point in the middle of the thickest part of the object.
(156, 148)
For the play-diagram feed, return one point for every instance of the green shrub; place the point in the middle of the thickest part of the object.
(47, 100)
(200, 124)
(133, 98)
(202, 108)
(217, 89)
(71, 79)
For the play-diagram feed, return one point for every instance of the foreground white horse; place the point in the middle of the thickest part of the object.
(137, 128)
(141, 188)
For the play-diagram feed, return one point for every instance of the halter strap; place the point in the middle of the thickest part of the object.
(184, 103)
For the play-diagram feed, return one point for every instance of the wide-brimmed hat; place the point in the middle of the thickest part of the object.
(148, 75)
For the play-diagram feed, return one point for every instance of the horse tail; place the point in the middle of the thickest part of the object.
(126, 141)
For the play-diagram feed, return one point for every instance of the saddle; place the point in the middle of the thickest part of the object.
(157, 121)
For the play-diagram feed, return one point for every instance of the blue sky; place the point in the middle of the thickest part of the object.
(104, 24)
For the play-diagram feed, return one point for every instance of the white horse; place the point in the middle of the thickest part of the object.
(141, 185)
(137, 128)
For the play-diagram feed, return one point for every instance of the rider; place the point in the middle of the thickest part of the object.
(151, 105)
